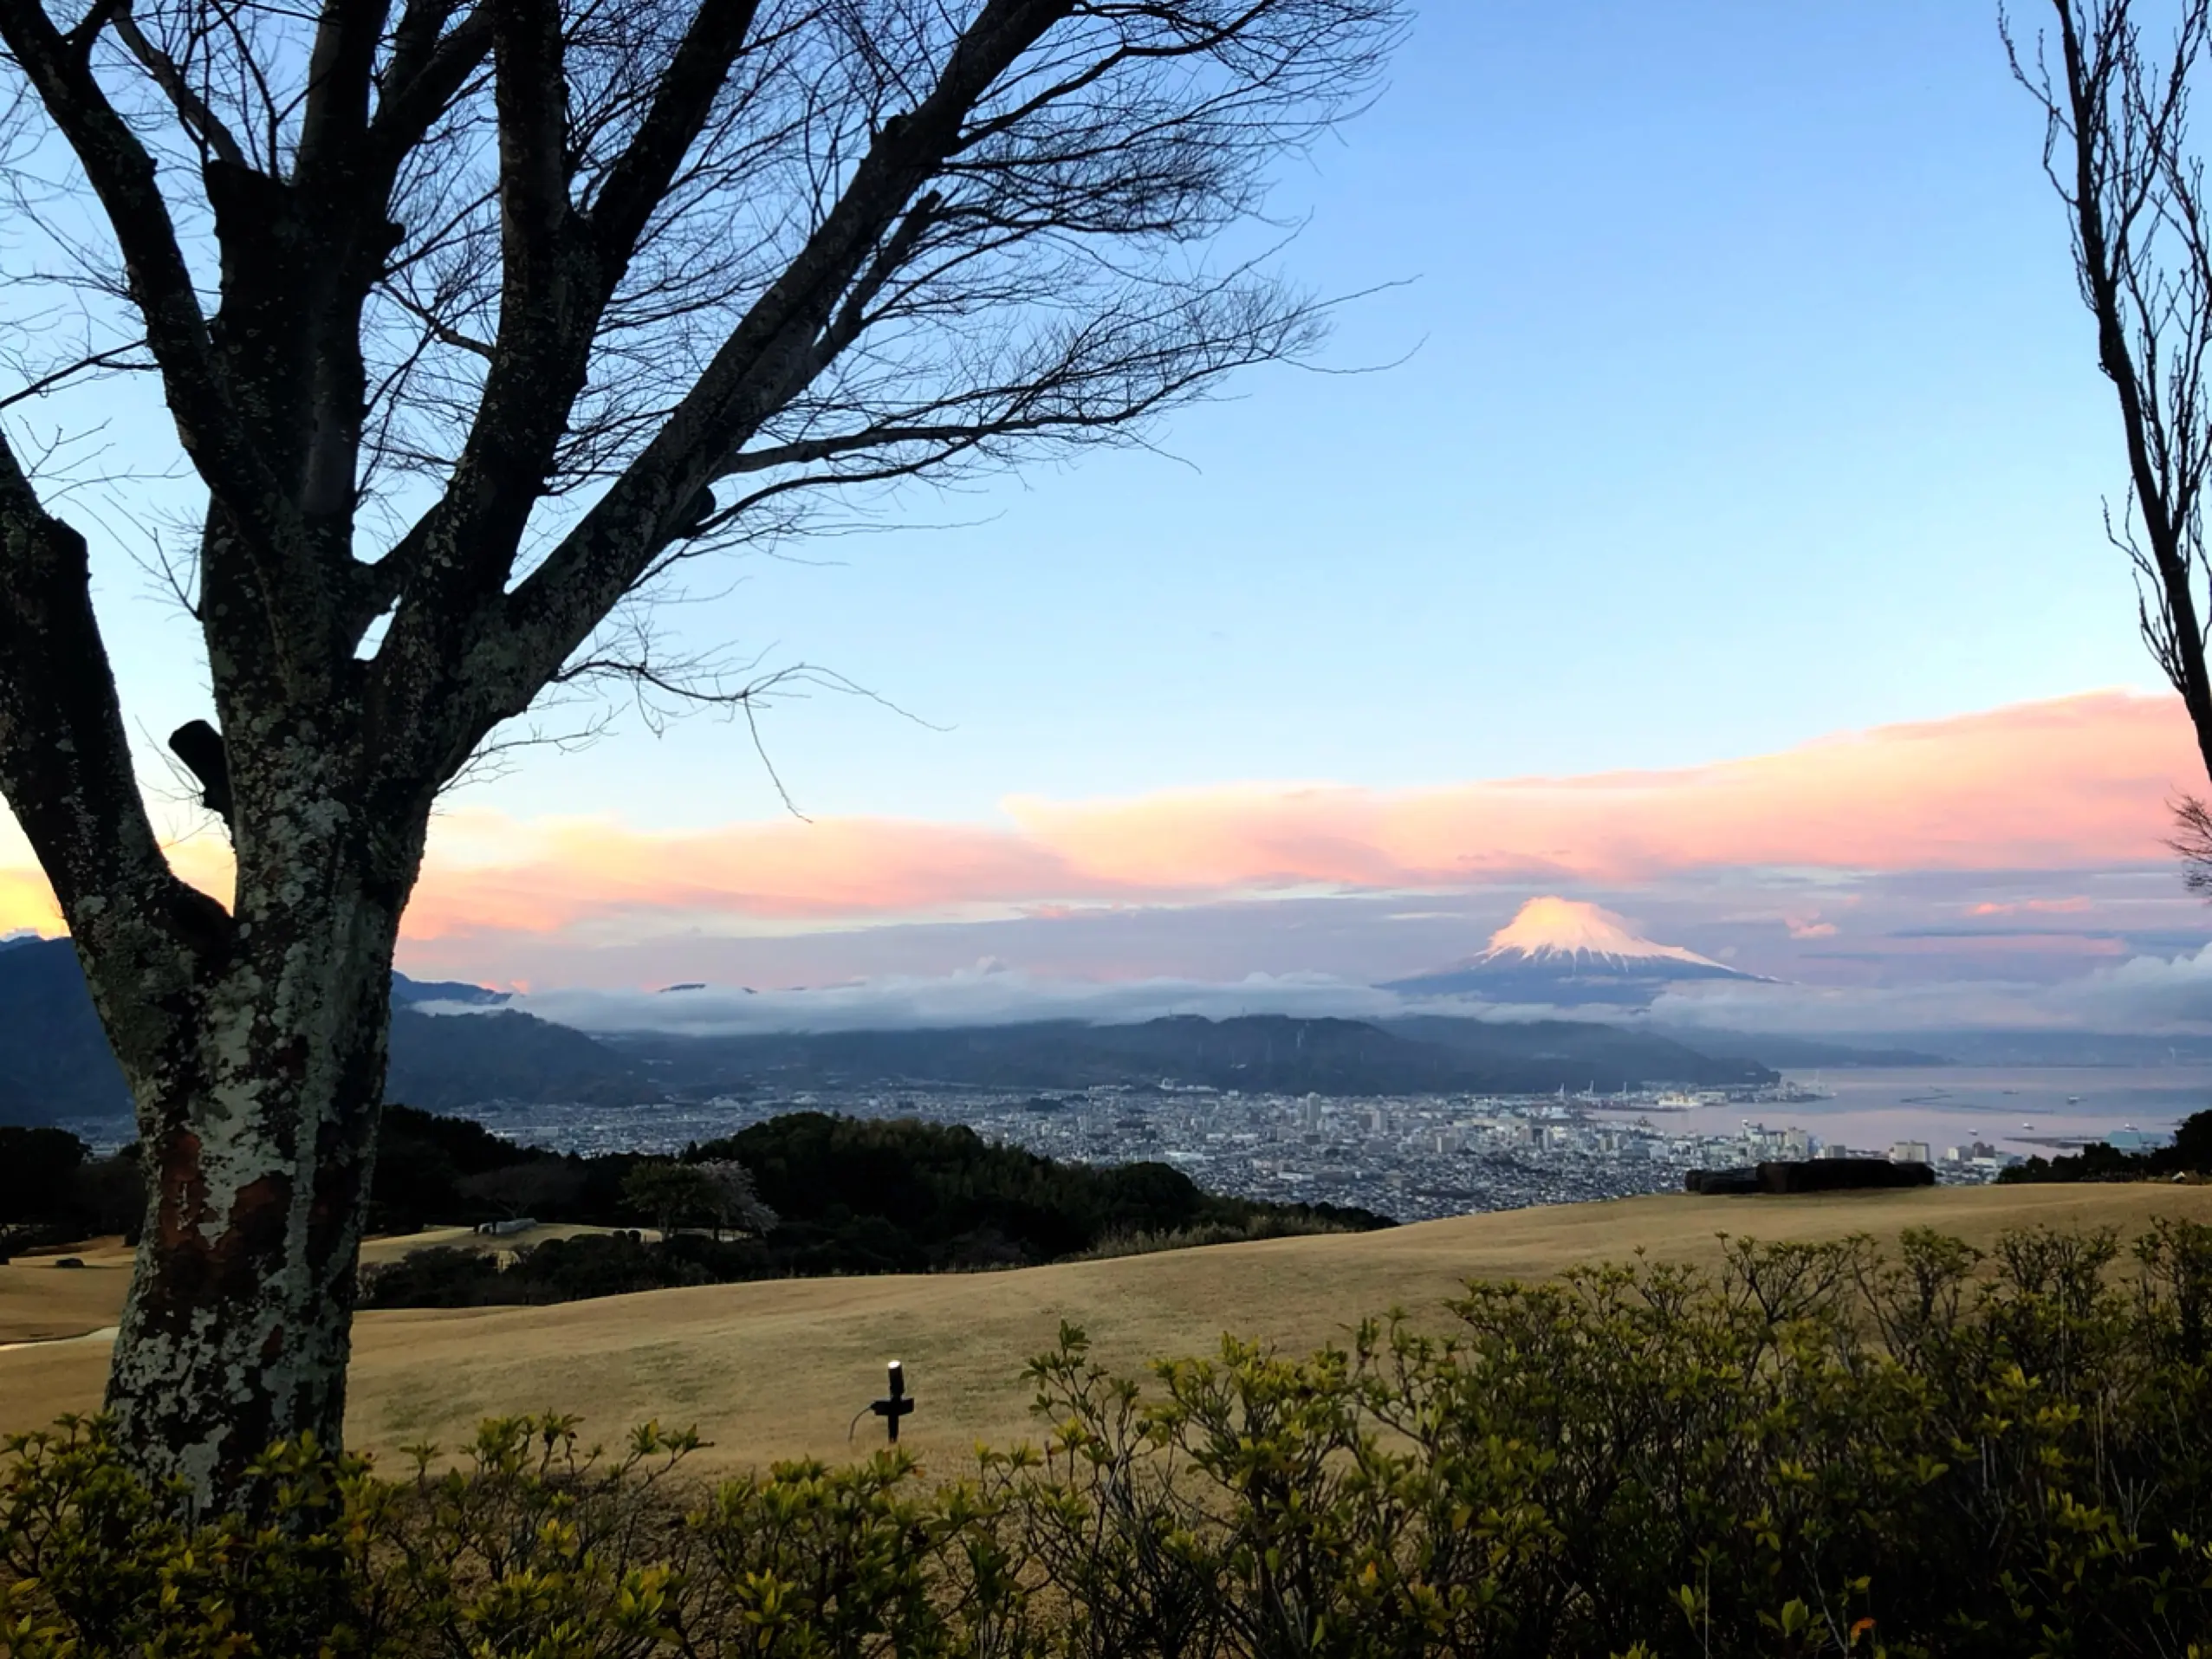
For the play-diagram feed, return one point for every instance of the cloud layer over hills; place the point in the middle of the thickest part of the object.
(2149, 996)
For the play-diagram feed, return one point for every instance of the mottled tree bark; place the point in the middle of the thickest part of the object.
(253, 1039)
(260, 1136)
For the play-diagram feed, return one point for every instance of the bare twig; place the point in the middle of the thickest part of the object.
(2118, 151)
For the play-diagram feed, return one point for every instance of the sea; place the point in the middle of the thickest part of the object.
(2024, 1110)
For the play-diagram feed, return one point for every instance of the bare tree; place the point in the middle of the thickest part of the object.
(531, 1188)
(475, 318)
(2116, 149)
(737, 1201)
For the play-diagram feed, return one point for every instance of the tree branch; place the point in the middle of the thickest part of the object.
(763, 362)
(639, 180)
(65, 764)
(121, 174)
(340, 68)
(115, 360)
(427, 72)
(199, 120)
(2127, 129)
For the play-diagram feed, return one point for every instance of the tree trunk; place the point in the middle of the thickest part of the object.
(259, 1129)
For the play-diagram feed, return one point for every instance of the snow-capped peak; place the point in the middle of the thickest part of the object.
(1553, 926)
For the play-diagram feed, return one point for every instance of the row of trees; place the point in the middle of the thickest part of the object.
(52, 1189)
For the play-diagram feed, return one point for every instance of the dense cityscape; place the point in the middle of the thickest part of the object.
(1413, 1158)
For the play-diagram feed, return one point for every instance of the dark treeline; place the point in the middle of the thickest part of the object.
(54, 1190)
(2190, 1154)
(849, 1196)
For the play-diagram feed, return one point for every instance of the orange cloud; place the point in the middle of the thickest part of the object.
(27, 903)
(2074, 906)
(2083, 781)
(2078, 783)
(548, 877)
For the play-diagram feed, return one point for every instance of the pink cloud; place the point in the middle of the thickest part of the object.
(545, 877)
(2074, 906)
(2083, 781)
(2078, 783)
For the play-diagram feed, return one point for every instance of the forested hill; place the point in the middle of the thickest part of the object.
(842, 1195)
(55, 1063)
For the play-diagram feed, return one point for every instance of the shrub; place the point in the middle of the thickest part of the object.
(1815, 1450)
(444, 1275)
(1210, 1233)
(558, 1270)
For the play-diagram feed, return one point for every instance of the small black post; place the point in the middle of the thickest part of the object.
(898, 1405)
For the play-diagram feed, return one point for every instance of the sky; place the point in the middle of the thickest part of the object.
(1707, 524)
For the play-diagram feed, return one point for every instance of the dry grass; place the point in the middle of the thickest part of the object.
(40, 1302)
(777, 1368)
(467, 1238)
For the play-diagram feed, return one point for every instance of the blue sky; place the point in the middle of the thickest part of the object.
(1719, 384)
(1732, 390)
(1747, 400)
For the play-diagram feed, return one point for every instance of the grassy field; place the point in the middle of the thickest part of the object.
(777, 1368)
(41, 1303)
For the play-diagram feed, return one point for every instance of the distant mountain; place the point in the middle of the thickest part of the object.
(2069, 1048)
(1798, 1053)
(444, 1062)
(408, 993)
(1608, 1056)
(1255, 1053)
(54, 1061)
(1564, 953)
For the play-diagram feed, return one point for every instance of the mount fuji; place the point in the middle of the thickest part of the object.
(1563, 952)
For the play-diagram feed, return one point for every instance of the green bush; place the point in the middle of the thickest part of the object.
(1815, 1450)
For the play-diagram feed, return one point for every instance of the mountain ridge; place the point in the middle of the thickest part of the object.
(1260, 1053)
(55, 1063)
